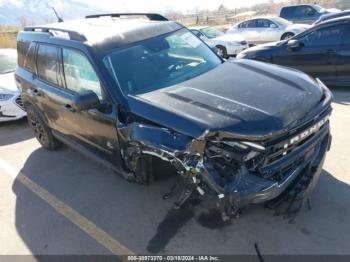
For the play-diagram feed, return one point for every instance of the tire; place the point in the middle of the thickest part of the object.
(41, 131)
(286, 36)
(222, 51)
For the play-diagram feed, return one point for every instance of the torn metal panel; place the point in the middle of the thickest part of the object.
(234, 173)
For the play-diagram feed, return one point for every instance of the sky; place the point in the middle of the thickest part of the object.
(37, 11)
(165, 5)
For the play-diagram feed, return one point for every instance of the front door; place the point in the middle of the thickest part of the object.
(316, 55)
(95, 129)
(249, 31)
(343, 61)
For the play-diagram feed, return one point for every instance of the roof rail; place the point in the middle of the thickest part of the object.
(73, 35)
(150, 16)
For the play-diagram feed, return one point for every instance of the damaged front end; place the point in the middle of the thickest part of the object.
(232, 171)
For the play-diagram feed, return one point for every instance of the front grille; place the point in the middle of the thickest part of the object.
(291, 141)
(19, 102)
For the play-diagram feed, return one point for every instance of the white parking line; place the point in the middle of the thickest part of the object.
(72, 215)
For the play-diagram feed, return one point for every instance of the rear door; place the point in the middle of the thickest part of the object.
(317, 54)
(46, 89)
(249, 31)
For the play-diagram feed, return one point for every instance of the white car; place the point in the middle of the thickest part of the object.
(227, 45)
(11, 107)
(262, 30)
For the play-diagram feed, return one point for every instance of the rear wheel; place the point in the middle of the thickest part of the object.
(41, 131)
(287, 36)
(222, 51)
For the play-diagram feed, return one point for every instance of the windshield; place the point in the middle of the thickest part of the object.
(319, 9)
(8, 60)
(282, 21)
(211, 32)
(160, 62)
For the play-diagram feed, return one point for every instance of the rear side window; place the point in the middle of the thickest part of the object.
(79, 73)
(22, 49)
(47, 63)
(248, 24)
(304, 11)
(25, 51)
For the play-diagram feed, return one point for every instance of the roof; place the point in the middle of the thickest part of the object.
(108, 32)
(337, 19)
(288, 6)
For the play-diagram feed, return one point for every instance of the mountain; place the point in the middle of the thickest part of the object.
(29, 12)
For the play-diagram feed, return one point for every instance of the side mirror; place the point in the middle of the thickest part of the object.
(85, 100)
(293, 44)
(273, 26)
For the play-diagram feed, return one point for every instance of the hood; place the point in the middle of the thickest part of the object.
(263, 46)
(230, 38)
(7, 83)
(298, 27)
(332, 10)
(242, 97)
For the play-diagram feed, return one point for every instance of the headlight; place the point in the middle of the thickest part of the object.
(4, 97)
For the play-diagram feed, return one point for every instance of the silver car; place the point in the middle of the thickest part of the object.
(267, 29)
(227, 45)
(11, 107)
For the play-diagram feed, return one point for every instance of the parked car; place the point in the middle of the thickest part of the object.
(306, 14)
(322, 52)
(132, 100)
(331, 16)
(266, 29)
(10, 100)
(227, 45)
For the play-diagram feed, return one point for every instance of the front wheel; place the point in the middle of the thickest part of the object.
(287, 36)
(41, 131)
(222, 51)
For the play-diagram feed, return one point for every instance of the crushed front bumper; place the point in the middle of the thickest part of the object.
(252, 189)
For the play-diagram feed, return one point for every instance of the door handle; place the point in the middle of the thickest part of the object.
(35, 92)
(69, 108)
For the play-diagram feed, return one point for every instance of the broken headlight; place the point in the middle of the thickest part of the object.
(225, 160)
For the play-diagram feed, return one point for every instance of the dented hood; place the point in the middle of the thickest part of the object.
(242, 97)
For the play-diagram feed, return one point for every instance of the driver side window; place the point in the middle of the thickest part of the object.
(304, 11)
(324, 37)
(248, 24)
(79, 73)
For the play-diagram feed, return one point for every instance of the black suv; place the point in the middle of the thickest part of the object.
(306, 14)
(132, 93)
